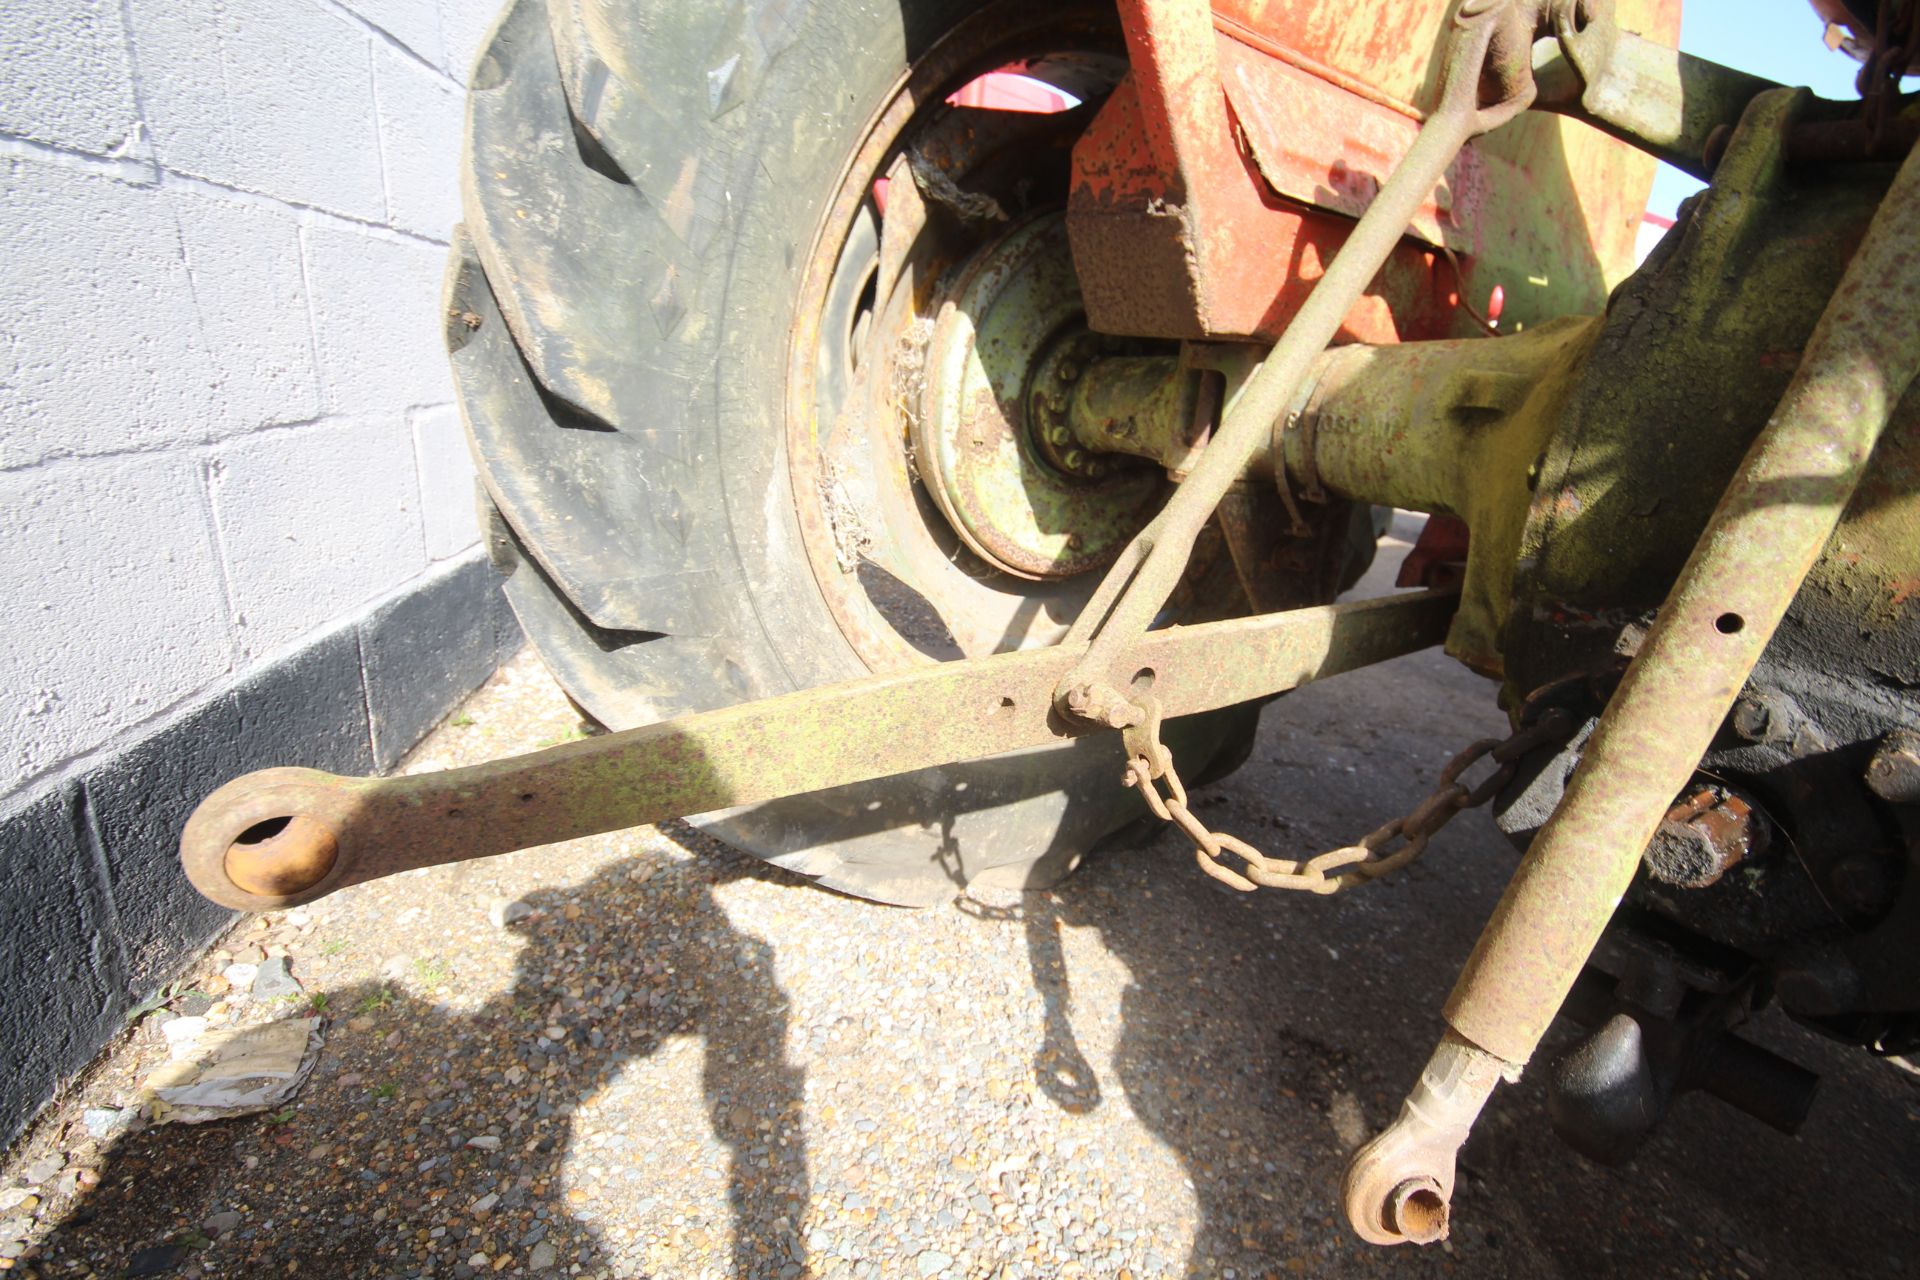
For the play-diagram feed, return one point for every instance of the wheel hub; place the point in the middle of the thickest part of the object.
(990, 439)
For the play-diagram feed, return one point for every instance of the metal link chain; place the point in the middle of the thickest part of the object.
(1350, 865)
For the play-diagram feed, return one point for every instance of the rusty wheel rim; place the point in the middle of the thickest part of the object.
(902, 582)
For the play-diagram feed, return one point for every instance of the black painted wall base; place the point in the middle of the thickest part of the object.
(94, 912)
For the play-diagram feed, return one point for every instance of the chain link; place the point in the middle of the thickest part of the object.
(1350, 865)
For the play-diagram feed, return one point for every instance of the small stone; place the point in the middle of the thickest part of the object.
(543, 1257)
(320, 1152)
(107, 1123)
(361, 1023)
(240, 976)
(933, 1262)
(220, 1223)
(505, 911)
(249, 955)
(181, 1032)
(156, 1260)
(484, 1142)
(478, 1261)
(10, 1198)
(217, 985)
(555, 1034)
(572, 911)
(273, 980)
(485, 1203)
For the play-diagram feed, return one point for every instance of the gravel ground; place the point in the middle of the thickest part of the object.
(649, 1055)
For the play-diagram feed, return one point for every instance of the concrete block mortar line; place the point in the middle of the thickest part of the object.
(230, 604)
(379, 133)
(306, 301)
(55, 461)
(129, 170)
(138, 87)
(366, 682)
(110, 940)
(382, 34)
(419, 491)
(149, 175)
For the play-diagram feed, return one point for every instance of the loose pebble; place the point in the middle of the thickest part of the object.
(505, 911)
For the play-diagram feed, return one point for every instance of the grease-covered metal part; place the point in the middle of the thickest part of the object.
(980, 435)
(1708, 832)
(757, 751)
(1784, 502)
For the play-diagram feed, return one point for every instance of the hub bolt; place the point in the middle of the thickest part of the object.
(1705, 834)
(1894, 772)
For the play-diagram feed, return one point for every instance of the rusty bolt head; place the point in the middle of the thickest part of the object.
(1074, 459)
(1894, 772)
(1757, 719)
(1057, 402)
(1704, 835)
(1058, 435)
(1066, 371)
(1096, 469)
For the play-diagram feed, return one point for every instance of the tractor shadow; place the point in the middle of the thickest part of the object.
(398, 1101)
(1262, 1037)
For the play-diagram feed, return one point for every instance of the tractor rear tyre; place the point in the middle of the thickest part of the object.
(712, 266)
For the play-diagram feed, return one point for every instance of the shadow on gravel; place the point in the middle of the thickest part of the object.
(1263, 1037)
(375, 1172)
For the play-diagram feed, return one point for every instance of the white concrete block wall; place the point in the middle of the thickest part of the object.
(226, 421)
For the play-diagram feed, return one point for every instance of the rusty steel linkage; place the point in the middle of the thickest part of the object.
(285, 836)
(1747, 567)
